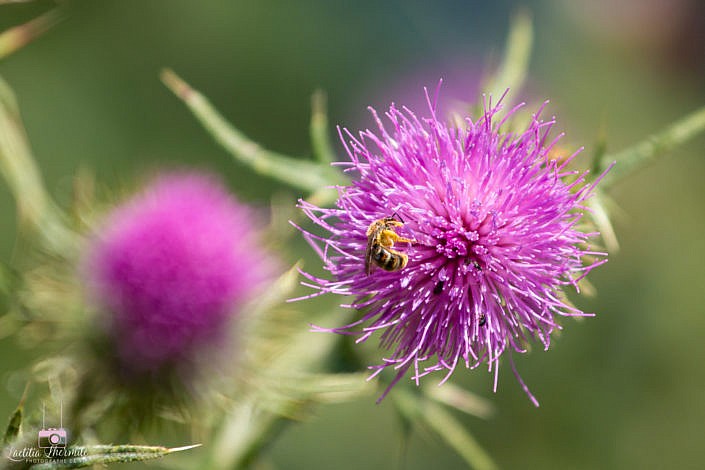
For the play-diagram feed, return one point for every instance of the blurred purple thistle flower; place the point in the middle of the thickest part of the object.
(171, 266)
(495, 224)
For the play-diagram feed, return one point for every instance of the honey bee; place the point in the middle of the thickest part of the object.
(380, 239)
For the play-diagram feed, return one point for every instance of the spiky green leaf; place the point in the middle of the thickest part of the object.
(12, 431)
(86, 456)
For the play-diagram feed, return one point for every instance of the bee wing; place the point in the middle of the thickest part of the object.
(368, 255)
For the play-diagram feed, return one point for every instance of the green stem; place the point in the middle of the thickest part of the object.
(515, 63)
(16, 163)
(416, 407)
(657, 145)
(246, 432)
(35, 207)
(320, 140)
(306, 175)
(17, 37)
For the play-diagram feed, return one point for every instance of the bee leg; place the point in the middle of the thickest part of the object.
(390, 237)
(387, 238)
(398, 239)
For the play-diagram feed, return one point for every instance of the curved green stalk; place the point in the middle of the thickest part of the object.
(657, 145)
(307, 175)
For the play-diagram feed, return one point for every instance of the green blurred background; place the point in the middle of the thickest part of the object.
(623, 390)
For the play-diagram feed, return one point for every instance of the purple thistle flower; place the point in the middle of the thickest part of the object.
(495, 223)
(171, 266)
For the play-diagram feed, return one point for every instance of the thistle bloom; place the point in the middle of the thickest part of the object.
(171, 266)
(495, 227)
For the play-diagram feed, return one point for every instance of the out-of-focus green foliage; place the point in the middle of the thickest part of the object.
(622, 390)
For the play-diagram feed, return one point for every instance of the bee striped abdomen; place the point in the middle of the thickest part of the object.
(387, 259)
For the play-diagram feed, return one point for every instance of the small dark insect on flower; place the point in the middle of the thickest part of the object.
(498, 233)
